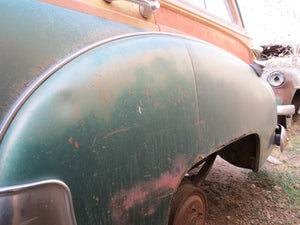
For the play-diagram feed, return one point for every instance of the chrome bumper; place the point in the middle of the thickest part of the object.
(47, 202)
(286, 112)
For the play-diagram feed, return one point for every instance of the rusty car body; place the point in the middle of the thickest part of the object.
(113, 112)
(282, 72)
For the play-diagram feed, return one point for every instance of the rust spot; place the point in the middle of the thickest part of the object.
(180, 91)
(148, 95)
(197, 123)
(104, 147)
(70, 140)
(96, 198)
(157, 103)
(82, 121)
(136, 125)
(142, 193)
(131, 92)
(39, 129)
(76, 123)
(76, 144)
(73, 103)
(141, 103)
(114, 132)
(21, 139)
(112, 97)
(178, 100)
(30, 138)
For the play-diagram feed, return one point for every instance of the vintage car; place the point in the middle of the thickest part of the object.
(113, 112)
(282, 71)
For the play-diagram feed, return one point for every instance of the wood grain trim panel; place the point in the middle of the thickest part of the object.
(119, 11)
(203, 17)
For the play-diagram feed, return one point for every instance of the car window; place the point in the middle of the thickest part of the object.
(220, 8)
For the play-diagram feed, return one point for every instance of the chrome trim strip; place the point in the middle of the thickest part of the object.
(29, 91)
(7, 191)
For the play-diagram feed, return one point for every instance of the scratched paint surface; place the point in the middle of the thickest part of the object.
(118, 124)
(122, 123)
(233, 108)
(38, 35)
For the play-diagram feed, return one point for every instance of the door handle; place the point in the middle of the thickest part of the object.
(146, 7)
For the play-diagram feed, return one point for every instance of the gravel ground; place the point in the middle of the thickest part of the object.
(234, 198)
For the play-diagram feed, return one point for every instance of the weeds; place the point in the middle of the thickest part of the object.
(294, 145)
(288, 182)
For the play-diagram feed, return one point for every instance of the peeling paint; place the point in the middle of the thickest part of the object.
(145, 197)
(197, 123)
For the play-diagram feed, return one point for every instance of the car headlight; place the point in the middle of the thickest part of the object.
(276, 78)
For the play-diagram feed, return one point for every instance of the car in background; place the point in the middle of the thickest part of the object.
(113, 112)
(282, 71)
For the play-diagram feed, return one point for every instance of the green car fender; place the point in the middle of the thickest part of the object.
(122, 121)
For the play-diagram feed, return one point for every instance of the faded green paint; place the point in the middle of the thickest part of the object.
(34, 36)
(279, 101)
(122, 123)
(106, 129)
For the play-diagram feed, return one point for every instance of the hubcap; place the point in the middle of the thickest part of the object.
(189, 206)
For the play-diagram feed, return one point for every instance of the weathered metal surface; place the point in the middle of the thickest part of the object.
(287, 91)
(108, 131)
(36, 35)
(122, 137)
(122, 121)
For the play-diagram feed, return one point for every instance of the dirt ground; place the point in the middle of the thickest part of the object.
(234, 198)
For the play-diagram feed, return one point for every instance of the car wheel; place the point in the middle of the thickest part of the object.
(189, 206)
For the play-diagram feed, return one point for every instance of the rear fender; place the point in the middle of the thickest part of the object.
(122, 121)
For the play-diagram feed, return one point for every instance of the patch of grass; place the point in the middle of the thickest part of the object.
(288, 181)
(294, 145)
